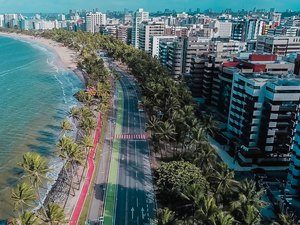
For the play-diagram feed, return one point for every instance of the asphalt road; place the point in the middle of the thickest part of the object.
(135, 198)
(134, 203)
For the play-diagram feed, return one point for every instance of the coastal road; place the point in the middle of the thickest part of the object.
(135, 198)
(129, 197)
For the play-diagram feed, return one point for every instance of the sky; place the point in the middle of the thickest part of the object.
(30, 6)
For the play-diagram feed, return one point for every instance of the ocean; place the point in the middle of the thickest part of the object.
(36, 94)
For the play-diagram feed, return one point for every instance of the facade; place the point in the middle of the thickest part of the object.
(226, 46)
(124, 33)
(155, 43)
(221, 29)
(279, 45)
(10, 20)
(293, 179)
(262, 117)
(238, 30)
(139, 16)
(146, 31)
(1, 20)
(94, 21)
(180, 53)
(254, 28)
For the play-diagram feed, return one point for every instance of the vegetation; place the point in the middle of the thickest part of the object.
(193, 186)
(95, 100)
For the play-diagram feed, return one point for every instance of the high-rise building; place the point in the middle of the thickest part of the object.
(262, 117)
(238, 30)
(254, 28)
(225, 46)
(1, 20)
(293, 179)
(146, 31)
(279, 45)
(139, 16)
(155, 43)
(94, 21)
(9, 20)
(221, 29)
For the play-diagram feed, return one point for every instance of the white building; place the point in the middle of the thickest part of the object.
(94, 21)
(280, 45)
(1, 20)
(155, 40)
(148, 30)
(226, 47)
(221, 29)
(139, 16)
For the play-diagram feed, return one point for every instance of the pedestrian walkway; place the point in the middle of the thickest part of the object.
(87, 182)
(132, 136)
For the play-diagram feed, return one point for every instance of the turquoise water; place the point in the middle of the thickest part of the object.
(35, 95)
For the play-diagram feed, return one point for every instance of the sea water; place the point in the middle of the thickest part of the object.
(36, 94)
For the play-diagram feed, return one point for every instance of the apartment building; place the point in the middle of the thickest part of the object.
(146, 31)
(155, 43)
(225, 46)
(138, 17)
(181, 52)
(94, 21)
(279, 45)
(293, 179)
(262, 117)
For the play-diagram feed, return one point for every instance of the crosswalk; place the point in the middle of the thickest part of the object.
(132, 136)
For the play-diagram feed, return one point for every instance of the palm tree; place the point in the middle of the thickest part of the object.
(27, 218)
(88, 124)
(166, 217)
(223, 182)
(205, 158)
(55, 215)
(248, 205)
(35, 168)
(166, 132)
(248, 195)
(223, 218)
(252, 216)
(65, 126)
(72, 155)
(75, 113)
(194, 194)
(87, 143)
(208, 211)
(286, 219)
(23, 196)
(209, 124)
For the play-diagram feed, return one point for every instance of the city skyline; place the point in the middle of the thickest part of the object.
(48, 6)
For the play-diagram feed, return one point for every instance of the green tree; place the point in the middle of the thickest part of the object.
(65, 126)
(55, 215)
(23, 196)
(35, 168)
(166, 217)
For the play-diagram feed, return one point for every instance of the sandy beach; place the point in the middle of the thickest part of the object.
(67, 57)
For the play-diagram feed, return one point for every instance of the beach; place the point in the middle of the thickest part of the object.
(67, 57)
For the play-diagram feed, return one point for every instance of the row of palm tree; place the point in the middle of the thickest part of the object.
(73, 152)
(27, 194)
(176, 133)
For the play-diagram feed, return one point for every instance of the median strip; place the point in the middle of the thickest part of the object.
(111, 190)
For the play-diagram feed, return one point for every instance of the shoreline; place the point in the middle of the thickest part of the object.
(66, 57)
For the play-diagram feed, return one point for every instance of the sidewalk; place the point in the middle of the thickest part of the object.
(87, 182)
(234, 164)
